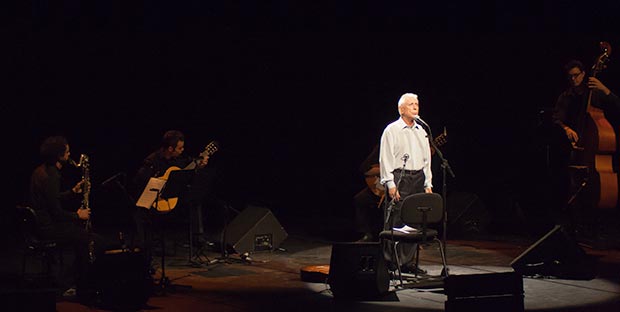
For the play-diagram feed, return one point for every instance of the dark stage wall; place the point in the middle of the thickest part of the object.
(296, 104)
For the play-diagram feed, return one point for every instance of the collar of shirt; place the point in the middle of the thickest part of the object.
(402, 124)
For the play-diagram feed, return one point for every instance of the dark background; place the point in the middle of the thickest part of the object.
(297, 94)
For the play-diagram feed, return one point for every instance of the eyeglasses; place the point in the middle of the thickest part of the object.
(574, 76)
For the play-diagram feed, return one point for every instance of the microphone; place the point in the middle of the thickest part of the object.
(420, 121)
(405, 157)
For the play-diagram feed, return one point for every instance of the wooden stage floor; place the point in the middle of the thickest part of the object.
(272, 280)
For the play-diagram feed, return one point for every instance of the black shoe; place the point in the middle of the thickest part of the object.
(412, 269)
(69, 294)
(368, 237)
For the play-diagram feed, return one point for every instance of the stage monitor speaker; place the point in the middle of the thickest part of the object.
(254, 229)
(29, 298)
(358, 271)
(555, 254)
(485, 292)
(118, 280)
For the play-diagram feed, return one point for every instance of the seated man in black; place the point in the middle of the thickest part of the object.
(159, 164)
(60, 223)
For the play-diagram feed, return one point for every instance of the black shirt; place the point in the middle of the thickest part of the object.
(571, 106)
(46, 196)
(156, 165)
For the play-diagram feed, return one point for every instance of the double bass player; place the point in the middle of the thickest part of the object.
(582, 114)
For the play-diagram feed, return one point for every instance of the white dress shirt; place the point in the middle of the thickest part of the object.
(399, 139)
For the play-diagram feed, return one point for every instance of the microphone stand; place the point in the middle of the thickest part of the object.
(445, 167)
(165, 283)
(389, 209)
(393, 201)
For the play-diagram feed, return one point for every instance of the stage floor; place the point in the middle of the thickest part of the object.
(271, 280)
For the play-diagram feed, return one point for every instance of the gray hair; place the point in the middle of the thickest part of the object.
(404, 96)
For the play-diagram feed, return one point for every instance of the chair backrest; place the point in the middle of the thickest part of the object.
(28, 224)
(410, 214)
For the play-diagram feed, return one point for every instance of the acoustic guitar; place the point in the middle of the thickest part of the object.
(167, 204)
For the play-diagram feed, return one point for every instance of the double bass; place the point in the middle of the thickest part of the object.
(598, 144)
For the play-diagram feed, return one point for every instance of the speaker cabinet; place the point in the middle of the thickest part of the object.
(28, 299)
(555, 254)
(254, 229)
(485, 292)
(117, 280)
(358, 271)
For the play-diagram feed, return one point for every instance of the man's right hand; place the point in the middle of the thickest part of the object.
(394, 194)
(571, 134)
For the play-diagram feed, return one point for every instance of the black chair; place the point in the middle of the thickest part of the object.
(418, 211)
(43, 250)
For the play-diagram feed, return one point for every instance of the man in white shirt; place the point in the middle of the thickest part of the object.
(405, 165)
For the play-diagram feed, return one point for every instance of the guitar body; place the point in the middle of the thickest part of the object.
(167, 204)
(373, 180)
(166, 174)
(314, 273)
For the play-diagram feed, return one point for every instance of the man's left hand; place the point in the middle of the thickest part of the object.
(203, 162)
(594, 83)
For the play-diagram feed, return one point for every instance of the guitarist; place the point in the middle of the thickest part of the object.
(169, 154)
(367, 202)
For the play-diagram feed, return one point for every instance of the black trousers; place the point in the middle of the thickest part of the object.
(75, 238)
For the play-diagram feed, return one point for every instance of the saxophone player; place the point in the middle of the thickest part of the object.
(57, 222)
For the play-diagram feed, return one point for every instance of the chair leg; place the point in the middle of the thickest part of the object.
(395, 252)
(48, 259)
(24, 258)
(417, 258)
(443, 258)
(60, 264)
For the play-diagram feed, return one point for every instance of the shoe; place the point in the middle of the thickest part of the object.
(368, 237)
(412, 269)
(69, 293)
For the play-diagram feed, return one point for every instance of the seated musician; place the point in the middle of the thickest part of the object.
(367, 202)
(56, 219)
(569, 117)
(157, 164)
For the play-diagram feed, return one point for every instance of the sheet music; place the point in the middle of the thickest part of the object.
(405, 229)
(148, 197)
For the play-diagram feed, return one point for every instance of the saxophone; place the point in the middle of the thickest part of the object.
(85, 165)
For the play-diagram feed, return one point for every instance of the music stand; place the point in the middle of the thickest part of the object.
(177, 183)
(193, 196)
